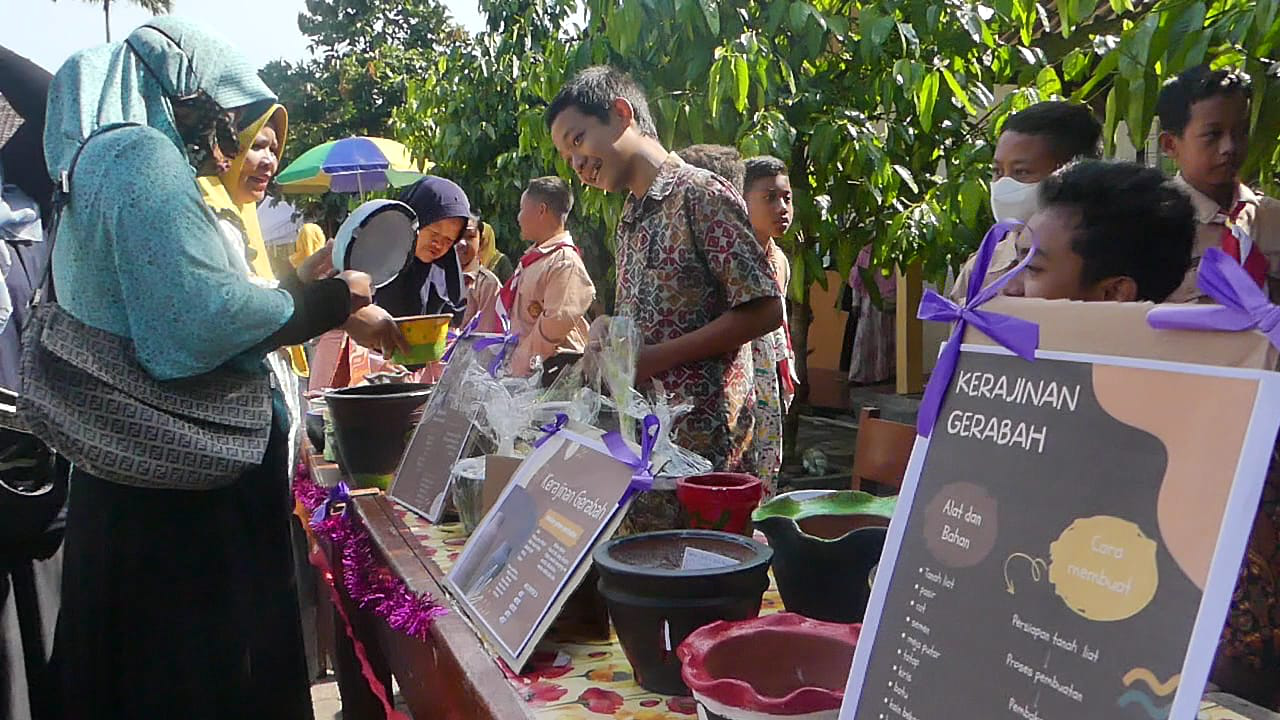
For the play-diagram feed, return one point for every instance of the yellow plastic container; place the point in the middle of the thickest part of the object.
(427, 336)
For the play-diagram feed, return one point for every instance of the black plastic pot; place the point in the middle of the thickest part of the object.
(372, 425)
(654, 604)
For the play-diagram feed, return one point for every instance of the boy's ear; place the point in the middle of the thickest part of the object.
(624, 111)
(1169, 144)
(1121, 288)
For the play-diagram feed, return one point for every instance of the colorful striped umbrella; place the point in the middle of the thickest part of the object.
(351, 165)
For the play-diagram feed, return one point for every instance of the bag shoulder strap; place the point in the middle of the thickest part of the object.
(62, 196)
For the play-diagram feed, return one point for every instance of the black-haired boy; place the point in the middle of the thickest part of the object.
(1032, 145)
(1204, 122)
(688, 270)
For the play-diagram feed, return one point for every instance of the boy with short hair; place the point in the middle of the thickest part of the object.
(1122, 232)
(689, 273)
(547, 297)
(767, 189)
(1033, 144)
(1113, 231)
(1204, 122)
(722, 160)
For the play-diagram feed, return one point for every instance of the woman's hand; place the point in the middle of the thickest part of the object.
(318, 266)
(360, 286)
(375, 329)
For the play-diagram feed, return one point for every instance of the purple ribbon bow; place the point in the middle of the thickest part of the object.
(1018, 335)
(339, 494)
(466, 333)
(1242, 304)
(507, 342)
(551, 428)
(641, 476)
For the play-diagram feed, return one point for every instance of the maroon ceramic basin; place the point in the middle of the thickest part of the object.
(773, 666)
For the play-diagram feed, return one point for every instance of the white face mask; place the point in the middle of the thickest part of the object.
(1014, 200)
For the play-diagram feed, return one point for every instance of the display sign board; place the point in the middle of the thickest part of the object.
(1067, 541)
(423, 479)
(534, 545)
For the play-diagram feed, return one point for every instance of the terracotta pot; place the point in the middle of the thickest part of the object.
(372, 425)
(655, 604)
(777, 666)
(827, 547)
(720, 501)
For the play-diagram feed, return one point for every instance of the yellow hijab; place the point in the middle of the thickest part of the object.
(216, 194)
(310, 240)
(488, 246)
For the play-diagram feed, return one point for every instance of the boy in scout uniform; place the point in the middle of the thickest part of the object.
(1204, 122)
(548, 296)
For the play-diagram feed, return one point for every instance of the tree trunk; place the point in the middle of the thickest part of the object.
(106, 16)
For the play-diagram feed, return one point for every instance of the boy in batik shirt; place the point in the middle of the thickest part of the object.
(689, 272)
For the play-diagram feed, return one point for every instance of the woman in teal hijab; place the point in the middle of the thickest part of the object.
(175, 603)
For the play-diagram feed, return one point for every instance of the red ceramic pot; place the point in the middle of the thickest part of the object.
(720, 501)
(777, 666)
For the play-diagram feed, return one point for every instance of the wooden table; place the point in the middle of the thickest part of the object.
(454, 675)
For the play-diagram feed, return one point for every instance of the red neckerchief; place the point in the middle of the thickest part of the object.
(507, 296)
(1254, 262)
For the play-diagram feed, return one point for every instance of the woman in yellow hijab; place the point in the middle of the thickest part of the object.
(491, 257)
(234, 196)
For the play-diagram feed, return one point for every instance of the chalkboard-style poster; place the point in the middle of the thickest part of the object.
(1067, 541)
(422, 481)
(533, 547)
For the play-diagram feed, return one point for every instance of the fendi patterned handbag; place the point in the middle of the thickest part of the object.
(84, 393)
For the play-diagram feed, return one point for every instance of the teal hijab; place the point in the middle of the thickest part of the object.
(138, 252)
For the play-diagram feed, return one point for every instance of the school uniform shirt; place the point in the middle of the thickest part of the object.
(686, 256)
(552, 296)
(1003, 260)
(1258, 218)
(482, 292)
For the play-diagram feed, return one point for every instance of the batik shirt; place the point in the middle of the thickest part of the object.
(687, 255)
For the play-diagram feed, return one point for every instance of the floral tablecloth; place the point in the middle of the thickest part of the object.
(588, 681)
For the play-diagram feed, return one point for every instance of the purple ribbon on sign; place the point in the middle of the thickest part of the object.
(1018, 335)
(507, 342)
(1242, 304)
(641, 475)
(339, 494)
(551, 428)
(466, 333)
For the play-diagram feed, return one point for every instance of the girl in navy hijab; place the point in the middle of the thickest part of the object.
(431, 283)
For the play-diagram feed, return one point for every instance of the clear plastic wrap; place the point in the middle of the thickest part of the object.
(508, 406)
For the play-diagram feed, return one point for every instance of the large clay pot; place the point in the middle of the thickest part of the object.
(720, 501)
(826, 548)
(372, 425)
(776, 666)
(655, 604)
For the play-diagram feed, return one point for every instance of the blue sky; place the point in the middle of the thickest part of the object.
(47, 32)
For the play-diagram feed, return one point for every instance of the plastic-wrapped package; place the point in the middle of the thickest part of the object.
(508, 406)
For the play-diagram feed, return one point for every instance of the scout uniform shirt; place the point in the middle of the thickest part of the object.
(1256, 220)
(1004, 259)
(552, 294)
(482, 293)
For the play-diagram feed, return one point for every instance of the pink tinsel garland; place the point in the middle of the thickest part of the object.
(369, 584)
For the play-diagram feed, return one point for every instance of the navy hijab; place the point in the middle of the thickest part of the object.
(432, 288)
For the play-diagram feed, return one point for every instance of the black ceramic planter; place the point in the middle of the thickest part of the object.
(372, 425)
(654, 604)
(826, 548)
